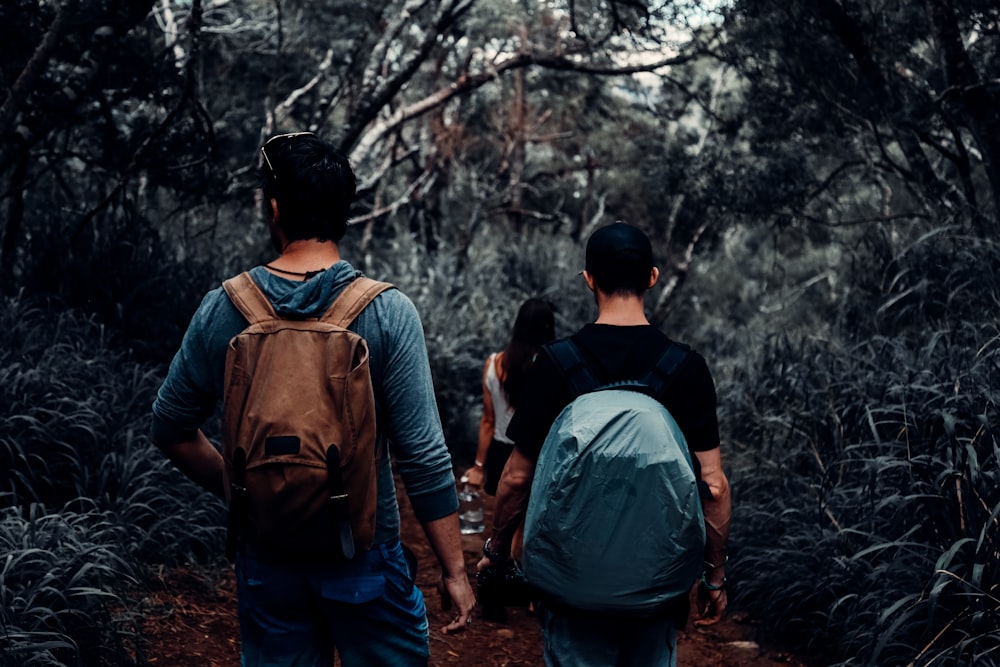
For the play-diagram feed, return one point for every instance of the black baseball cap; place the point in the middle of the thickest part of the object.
(619, 248)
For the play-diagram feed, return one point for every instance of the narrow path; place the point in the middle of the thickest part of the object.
(189, 618)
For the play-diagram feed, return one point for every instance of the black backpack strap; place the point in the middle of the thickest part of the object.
(566, 356)
(662, 374)
(238, 503)
(339, 502)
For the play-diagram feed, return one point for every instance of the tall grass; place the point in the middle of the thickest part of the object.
(86, 501)
(58, 576)
(867, 486)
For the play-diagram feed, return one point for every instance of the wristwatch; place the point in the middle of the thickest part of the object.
(494, 556)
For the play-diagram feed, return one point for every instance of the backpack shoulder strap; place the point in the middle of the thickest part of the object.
(353, 299)
(249, 299)
(566, 356)
(662, 374)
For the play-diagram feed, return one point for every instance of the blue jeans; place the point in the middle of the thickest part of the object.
(573, 640)
(367, 610)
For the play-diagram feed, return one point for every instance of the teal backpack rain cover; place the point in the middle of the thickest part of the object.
(614, 522)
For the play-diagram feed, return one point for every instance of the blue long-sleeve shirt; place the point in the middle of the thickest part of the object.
(406, 410)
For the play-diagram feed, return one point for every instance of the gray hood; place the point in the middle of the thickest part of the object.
(301, 299)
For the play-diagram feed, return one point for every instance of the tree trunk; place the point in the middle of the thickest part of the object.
(518, 152)
(15, 221)
(29, 77)
(976, 105)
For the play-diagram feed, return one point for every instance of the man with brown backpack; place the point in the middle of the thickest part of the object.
(324, 376)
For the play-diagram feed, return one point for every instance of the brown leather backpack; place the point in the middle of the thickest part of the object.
(298, 437)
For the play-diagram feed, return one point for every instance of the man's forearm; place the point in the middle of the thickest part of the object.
(200, 461)
(717, 511)
(512, 500)
(717, 514)
(445, 540)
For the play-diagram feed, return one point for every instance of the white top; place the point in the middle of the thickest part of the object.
(502, 409)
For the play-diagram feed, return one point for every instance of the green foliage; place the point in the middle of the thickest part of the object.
(858, 94)
(56, 583)
(868, 475)
(86, 501)
(938, 277)
(71, 402)
(75, 432)
(126, 276)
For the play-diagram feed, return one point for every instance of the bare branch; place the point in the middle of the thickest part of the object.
(170, 32)
(422, 182)
(469, 82)
(32, 72)
(678, 273)
(385, 88)
(284, 108)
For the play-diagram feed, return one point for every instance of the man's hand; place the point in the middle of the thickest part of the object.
(456, 590)
(711, 605)
(200, 461)
(474, 477)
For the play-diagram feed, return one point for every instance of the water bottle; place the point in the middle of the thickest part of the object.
(470, 511)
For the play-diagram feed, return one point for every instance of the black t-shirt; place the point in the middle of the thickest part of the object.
(617, 353)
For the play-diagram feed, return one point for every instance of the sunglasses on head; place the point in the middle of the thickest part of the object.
(273, 141)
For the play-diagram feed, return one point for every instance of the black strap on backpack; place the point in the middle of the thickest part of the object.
(339, 503)
(581, 379)
(567, 358)
(662, 374)
(237, 502)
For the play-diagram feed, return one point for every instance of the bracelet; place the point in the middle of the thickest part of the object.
(712, 587)
(496, 557)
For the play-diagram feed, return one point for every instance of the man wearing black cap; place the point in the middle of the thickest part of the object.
(620, 345)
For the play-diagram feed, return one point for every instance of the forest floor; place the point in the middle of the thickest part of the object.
(189, 618)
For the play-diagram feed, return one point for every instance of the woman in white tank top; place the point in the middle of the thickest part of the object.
(503, 377)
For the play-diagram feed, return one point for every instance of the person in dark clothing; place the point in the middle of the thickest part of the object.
(619, 345)
(367, 610)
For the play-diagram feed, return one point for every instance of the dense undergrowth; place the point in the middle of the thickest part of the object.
(86, 503)
(863, 456)
(867, 471)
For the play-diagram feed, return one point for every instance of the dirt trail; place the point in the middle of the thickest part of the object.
(190, 619)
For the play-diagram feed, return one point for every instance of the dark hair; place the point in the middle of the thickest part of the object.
(313, 184)
(620, 259)
(629, 281)
(534, 326)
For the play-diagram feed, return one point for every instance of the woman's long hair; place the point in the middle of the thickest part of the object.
(534, 326)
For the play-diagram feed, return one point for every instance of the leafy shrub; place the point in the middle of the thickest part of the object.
(57, 576)
(86, 501)
(867, 475)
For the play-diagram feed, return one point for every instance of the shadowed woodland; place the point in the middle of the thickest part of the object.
(821, 180)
